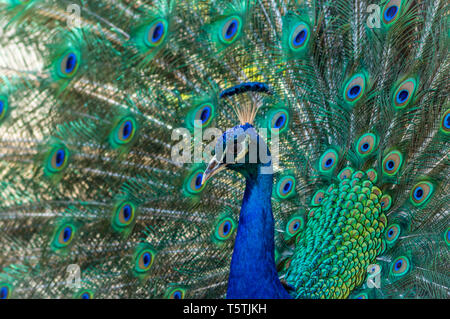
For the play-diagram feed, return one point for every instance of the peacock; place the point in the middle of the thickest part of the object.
(224, 149)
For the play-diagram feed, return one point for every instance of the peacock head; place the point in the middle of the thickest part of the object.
(240, 149)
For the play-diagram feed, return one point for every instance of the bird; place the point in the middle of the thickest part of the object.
(193, 149)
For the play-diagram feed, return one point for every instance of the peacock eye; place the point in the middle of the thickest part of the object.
(285, 187)
(204, 115)
(68, 65)
(124, 215)
(125, 131)
(85, 294)
(366, 144)
(3, 107)
(5, 291)
(403, 94)
(400, 266)
(391, 11)
(63, 236)
(421, 192)
(328, 161)
(355, 87)
(445, 122)
(362, 295)
(144, 260)
(392, 163)
(156, 33)
(299, 37)
(294, 226)
(224, 229)
(278, 120)
(194, 182)
(385, 202)
(231, 30)
(318, 198)
(177, 293)
(57, 159)
(392, 233)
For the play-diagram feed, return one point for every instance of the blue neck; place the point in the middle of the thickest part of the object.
(253, 273)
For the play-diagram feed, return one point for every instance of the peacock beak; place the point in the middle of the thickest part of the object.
(213, 168)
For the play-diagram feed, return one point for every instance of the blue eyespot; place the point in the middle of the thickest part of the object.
(402, 96)
(123, 132)
(127, 129)
(404, 93)
(328, 161)
(3, 107)
(400, 266)
(418, 193)
(198, 181)
(230, 30)
(177, 295)
(279, 122)
(365, 146)
(71, 63)
(224, 229)
(193, 184)
(447, 121)
(354, 88)
(85, 295)
(68, 65)
(63, 236)
(60, 157)
(4, 292)
(285, 187)
(390, 165)
(392, 233)
(158, 32)
(127, 212)
(144, 258)
(123, 216)
(57, 160)
(299, 37)
(67, 234)
(421, 193)
(390, 13)
(294, 225)
(204, 116)
(354, 91)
